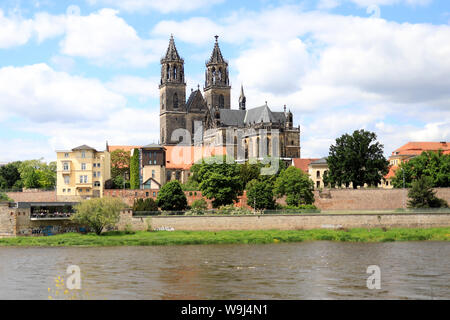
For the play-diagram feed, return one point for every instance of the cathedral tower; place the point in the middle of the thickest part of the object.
(172, 94)
(217, 83)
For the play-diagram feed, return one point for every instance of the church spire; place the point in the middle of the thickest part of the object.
(242, 99)
(171, 53)
(216, 56)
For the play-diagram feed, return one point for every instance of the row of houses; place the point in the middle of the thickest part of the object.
(83, 172)
(316, 167)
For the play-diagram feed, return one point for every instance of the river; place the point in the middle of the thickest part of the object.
(307, 270)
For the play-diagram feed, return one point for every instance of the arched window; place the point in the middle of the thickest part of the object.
(214, 75)
(318, 174)
(221, 102)
(168, 72)
(175, 72)
(220, 74)
(175, 101)
(168, 175)
(257, 147)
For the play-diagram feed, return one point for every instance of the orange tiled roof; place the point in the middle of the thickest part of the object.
(124, 148)
(416, 148)
(183, 157)
(303, 164)
(391, 172)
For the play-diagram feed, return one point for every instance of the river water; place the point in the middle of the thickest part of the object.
(307, 270)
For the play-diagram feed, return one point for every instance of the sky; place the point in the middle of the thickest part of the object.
(87, 71)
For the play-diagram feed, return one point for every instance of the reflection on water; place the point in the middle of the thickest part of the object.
(309, 270)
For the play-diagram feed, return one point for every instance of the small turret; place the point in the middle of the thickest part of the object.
(242, 99)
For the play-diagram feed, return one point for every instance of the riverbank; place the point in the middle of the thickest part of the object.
(145, 238)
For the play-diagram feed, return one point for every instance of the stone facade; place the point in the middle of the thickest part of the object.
(245, 128)
(285, 222)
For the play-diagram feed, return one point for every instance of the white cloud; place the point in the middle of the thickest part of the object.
(40, 94)
(164, 6)
(106, 38)
(135, 86)
(15, 30)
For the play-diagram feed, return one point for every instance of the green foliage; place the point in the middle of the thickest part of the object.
(434, 165)
(422, 195)
(190, 185)
(171, 197)
(260, 194)
(219, 180)
(4, 197)
(249, 172)
(37, 174)
(120, 167)
(147, 204)
(296, 185)
(10, 176)
(134, 170)
(301, 207)
(98, 213)
(357, 159)
(198, 207)
(232, 210)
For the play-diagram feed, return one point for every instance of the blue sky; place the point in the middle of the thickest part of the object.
(87, 71)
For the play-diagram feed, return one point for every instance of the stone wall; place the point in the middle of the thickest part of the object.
(7, 220)
(33, 196)
(285, 222)
(368, 199)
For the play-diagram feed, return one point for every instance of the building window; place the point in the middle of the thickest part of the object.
(65, 166)
(221, 101)
(154, 193)
(97, 184)
(153, 173)
(83, 166)
(98, 165)
(175, 101)
(81, 190)
(318, 174)
(68, 190)
(146, 194)
(66, 155)
(98, 174)
(64, 190)
(318, 184)
(83, 154)
(66, 180)
(95, 175)
(94, 165)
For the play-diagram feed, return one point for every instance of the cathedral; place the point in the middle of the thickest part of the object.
(208, 120)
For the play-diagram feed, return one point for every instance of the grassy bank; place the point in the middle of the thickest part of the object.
(230, 237)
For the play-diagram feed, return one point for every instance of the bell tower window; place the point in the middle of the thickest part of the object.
(175, 101)
(221, 101)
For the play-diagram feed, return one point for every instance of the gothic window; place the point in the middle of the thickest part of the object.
(178, 175)
(175, 72)
(214, 75)
(257, 147)
(175, 100)
(168, 72)
(221, 101)
(169, 175)
(220, 74)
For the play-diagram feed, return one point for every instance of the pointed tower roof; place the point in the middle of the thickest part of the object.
(242, 93)
(171, 53)
(216, 56)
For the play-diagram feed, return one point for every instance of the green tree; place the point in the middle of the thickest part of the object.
(260, 194)
(357, 159)
(134, 170)
(171, 197)
(4, 197)
(10, 175)
(147, 204)
(296, 185)
(219, 180)
(249, 172)
(422, 195)
(434, 165)
(99, 213)
(37, 174)
(120, 167)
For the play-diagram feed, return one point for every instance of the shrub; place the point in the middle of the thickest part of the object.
(198, 207)
(232, 210)
(145, 205)
(422, 195)
(260, 194)
(4, 197)
(171, 197)
(99, 213)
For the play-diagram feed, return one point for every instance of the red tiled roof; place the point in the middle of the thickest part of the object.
(303, 164)
(391, 172)
(124, 148)
(183, 157)
(416, 148)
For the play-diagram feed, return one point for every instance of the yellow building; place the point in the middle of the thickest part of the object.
(81, 173)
